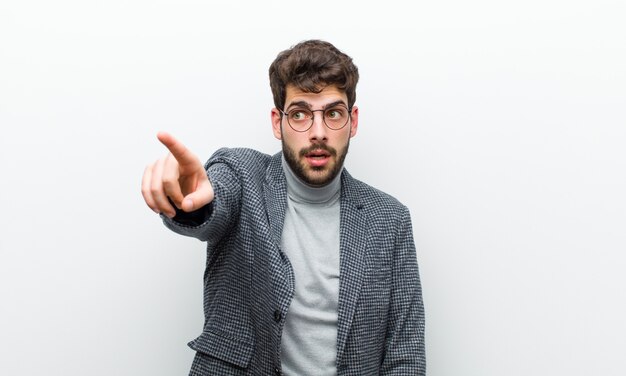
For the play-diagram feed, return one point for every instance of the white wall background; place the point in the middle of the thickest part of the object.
(502, 126)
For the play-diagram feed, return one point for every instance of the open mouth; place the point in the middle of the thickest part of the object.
(318, 154)
(318, 158)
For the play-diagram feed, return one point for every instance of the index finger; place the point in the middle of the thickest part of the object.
(178, 150)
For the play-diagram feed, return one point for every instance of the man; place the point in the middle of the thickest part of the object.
(309, 271)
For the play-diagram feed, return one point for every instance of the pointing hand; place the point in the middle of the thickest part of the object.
(180, 176)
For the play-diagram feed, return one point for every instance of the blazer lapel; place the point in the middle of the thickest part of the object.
(353, 242)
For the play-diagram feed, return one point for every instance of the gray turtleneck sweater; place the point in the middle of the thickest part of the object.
(310, 239)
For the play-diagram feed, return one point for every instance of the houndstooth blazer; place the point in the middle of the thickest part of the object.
(249, 283)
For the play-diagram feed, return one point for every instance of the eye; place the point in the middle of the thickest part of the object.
(298, 115)
(335, 113)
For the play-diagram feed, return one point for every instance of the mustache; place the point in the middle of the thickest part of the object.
(329, 149)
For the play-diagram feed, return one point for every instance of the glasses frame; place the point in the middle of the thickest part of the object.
(286, 114)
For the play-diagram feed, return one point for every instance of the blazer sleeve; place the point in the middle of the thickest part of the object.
(404, 344)
(211, 222)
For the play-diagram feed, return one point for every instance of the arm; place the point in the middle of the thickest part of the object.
(210, 222)
(404, 344)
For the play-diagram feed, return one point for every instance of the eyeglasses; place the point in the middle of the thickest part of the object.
(301, 119)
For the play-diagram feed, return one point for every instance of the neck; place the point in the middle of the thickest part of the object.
(300, 191)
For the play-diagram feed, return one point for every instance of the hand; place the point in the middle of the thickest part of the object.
(180, 176)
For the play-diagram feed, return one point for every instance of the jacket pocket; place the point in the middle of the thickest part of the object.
(228, 349)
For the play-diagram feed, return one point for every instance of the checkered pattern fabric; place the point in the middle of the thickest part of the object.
(249, 283)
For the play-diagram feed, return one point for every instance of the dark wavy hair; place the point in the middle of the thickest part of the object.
(310, 66)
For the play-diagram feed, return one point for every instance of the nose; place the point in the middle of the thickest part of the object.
(318, 131)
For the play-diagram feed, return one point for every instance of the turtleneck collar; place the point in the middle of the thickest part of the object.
(299, 191)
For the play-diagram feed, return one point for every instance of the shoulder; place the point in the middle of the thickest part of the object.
(243, 164)
(240, 160)
(240, 156)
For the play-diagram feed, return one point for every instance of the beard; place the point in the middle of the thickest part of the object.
(316, 176)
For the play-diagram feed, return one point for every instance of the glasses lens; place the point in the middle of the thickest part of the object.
(336, 118)
(299, 119)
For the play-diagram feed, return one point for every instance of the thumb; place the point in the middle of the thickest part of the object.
(197, 199)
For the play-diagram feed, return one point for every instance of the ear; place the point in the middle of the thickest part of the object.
(276, 120)
(354, 121)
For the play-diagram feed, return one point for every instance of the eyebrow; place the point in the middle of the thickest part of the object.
(308, 105)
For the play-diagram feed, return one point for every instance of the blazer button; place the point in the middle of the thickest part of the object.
(277, 316)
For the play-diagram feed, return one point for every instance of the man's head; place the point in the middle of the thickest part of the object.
(310, 66)
(313, 78)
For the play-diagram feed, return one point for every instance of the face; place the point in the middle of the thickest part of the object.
(316, 156)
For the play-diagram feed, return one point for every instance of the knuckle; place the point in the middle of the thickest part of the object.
(168, 181)
(156, 190)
